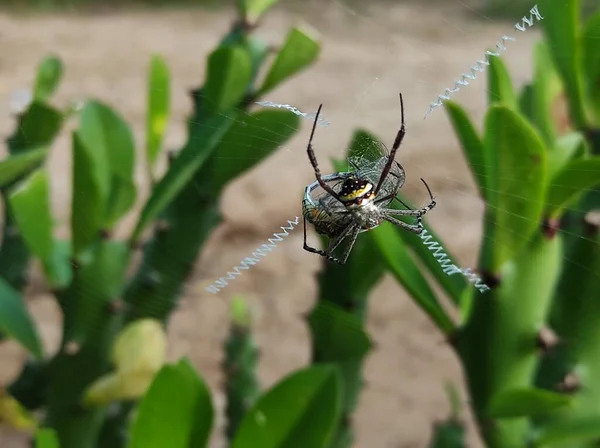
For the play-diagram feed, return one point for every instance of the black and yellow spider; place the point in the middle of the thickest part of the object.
(342, 205)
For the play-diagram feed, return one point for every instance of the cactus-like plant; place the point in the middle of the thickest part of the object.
(88, 273)
(528, 346)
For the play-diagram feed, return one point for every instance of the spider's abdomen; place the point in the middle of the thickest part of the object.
(356, 192)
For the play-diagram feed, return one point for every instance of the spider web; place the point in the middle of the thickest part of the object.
(371, 52)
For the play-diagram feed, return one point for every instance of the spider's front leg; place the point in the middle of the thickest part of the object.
(415, 228)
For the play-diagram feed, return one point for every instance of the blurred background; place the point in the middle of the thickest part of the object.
(371, 51)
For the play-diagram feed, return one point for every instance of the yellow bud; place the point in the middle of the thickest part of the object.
(117, 387)
(138, 353)
(140, 347)
(13, 413)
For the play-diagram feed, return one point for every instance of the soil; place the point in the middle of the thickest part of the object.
(370, 53)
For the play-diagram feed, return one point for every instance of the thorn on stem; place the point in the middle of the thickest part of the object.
(570, 384)
(550, 227)
(546, 340)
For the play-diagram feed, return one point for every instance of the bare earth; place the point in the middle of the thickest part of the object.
(368, 57)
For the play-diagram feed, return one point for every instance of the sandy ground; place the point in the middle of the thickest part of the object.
(369, 55)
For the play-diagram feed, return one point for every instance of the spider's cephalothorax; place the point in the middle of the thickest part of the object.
(353, 202)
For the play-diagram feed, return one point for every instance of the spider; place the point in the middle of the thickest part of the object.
(353, 202)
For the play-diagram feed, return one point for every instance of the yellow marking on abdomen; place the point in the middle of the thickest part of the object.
(357, 193)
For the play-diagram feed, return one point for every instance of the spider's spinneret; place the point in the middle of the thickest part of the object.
(356, 192)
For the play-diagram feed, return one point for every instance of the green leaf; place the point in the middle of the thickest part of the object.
(545, 88)
(46, 438)
(519, 180)
(524, 402)
(569, 431)
(564, 149)
(30, 205)
(408, 274)
(337, 335)
(300, 411)
(526, 105)
(16, 322)
(472, 146)
(89, 195)
(250, 140)
(500, 89)
(110, 142)
(561, 28)
(49, 75)
(176, 411)
(591, 62)
(14, 167)
(575, 178)
(202, 144)
(159, 98)
(228, 76)
(37, 127)
(253, 10)
(299, 51)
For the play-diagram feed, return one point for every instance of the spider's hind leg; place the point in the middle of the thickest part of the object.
(322, 253)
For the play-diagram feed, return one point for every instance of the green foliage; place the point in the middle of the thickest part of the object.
(159, 101)
(46, 438)
(15, 320)
(90, 274)
(48, 78)
(176, 411)
(302, 410)
(523, 402)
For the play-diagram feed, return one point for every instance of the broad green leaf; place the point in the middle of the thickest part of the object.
(472, 146)
(89, 195)
(48, 77)
(30, 205)
(524, 402)
(16, 322)
(500, 88)
(14, 167)
(519, 180)
(545, 89)
(402, 266)
(159, 98)
(300, 411)
(228, 76)
(337, 335)
(561, 28)
(253, 10)
(176, 411)
(591, 62)
(575, 178)
(37, 127)
(299, 51)
(202, 145)
(204, 411)
(569, 431)
(110, 142)
(46, 438)
(250, 140)
(564, 149)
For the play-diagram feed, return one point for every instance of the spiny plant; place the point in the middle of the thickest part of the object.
(89, 272)
(529, 346)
